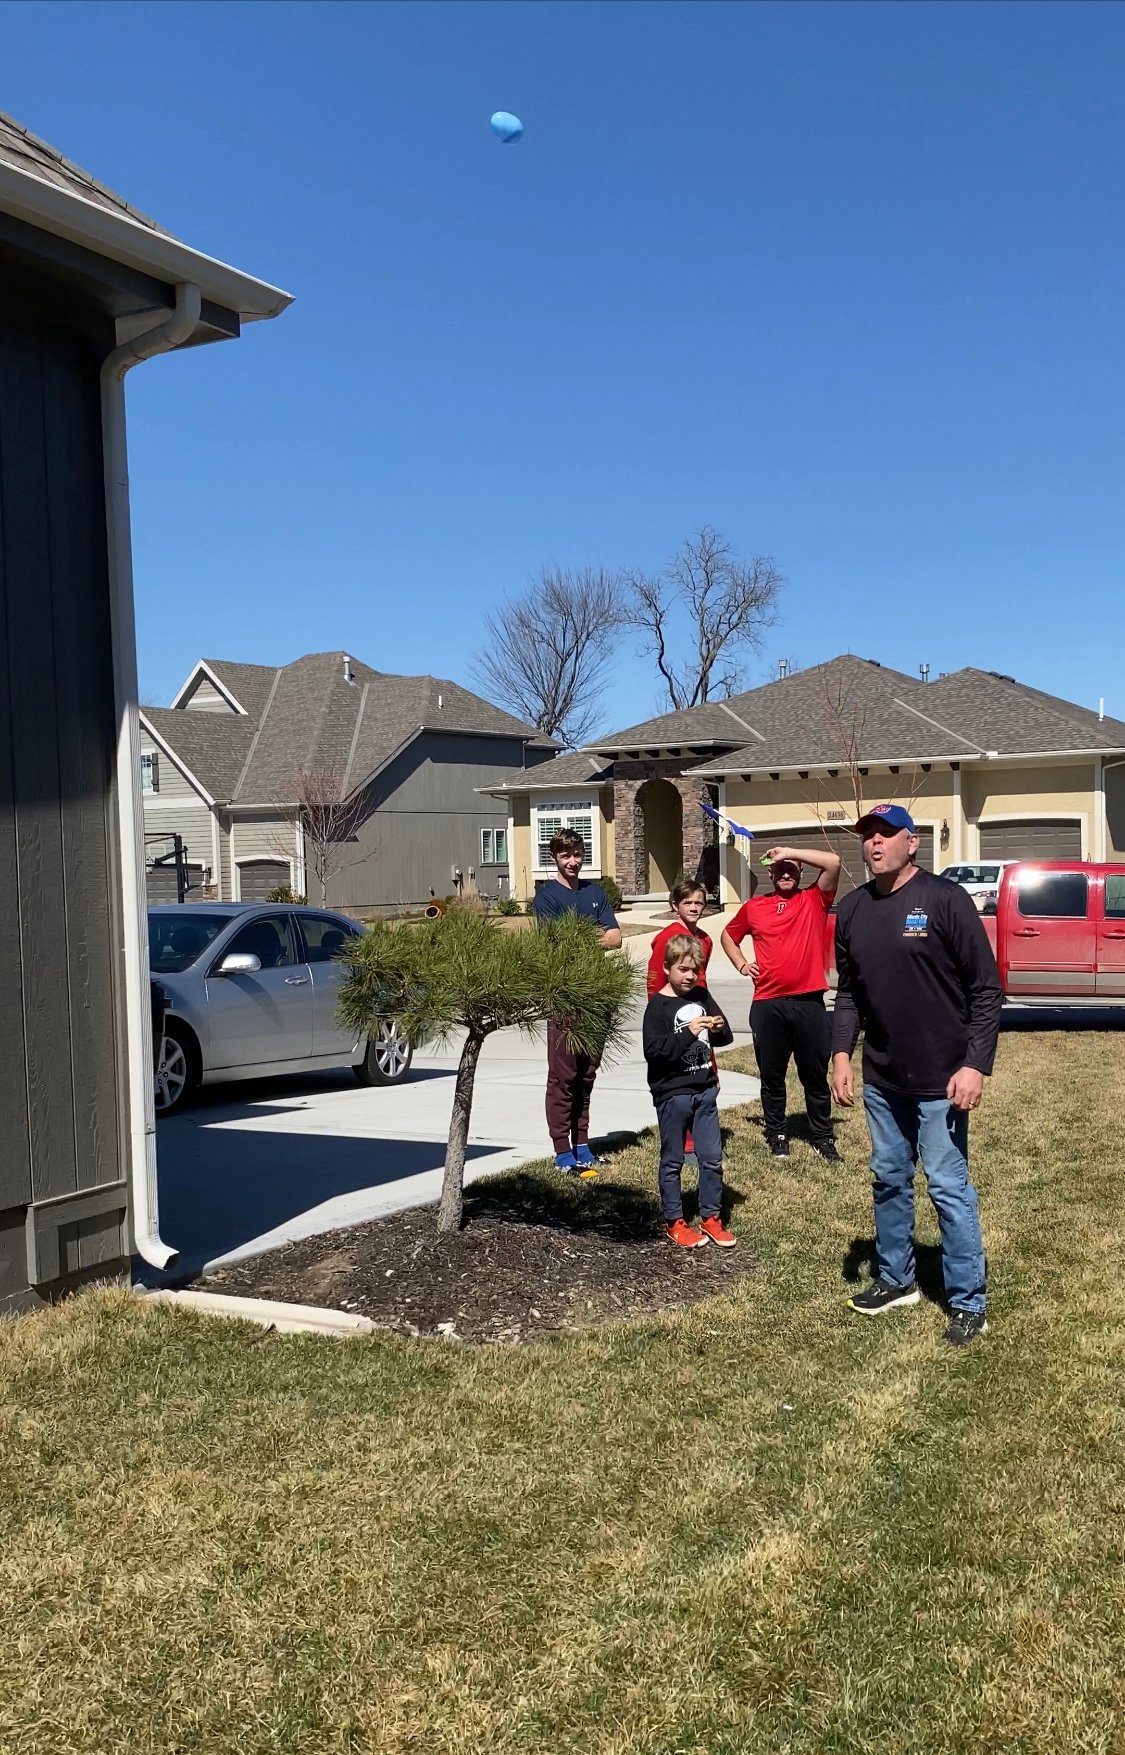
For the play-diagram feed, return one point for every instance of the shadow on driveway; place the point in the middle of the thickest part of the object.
(221, 1187)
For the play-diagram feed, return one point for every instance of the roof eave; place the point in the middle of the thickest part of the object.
(833, 762)
(66, 214)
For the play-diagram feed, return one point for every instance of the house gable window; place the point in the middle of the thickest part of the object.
(150, 773)
(550, 816)
(494, 846)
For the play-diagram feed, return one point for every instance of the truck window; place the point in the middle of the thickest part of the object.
(1054, 895)
(1115, 895)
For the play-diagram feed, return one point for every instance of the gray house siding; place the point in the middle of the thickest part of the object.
(259, 839)
(61, 1099)
(426, 818)
(205, 698)
(170, 782)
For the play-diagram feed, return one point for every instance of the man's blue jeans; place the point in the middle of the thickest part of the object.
(902, 1129)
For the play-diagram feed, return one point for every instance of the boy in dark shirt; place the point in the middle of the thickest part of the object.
(570, 1075)
(682, 1022)
(917, 974)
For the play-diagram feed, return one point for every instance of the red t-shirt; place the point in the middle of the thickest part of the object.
(657, 974)
(789, 941)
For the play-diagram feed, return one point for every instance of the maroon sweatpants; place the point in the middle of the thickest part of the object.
(570, 1080)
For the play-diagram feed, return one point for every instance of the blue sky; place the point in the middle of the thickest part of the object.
(846, 281)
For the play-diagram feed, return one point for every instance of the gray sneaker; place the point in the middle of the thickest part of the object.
(879, 1297)
(965, 1326)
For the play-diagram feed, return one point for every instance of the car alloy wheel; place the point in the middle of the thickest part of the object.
(386, 1056)
(171, 1074)
(390, 1051)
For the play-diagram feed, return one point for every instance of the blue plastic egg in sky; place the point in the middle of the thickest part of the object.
(506, 126)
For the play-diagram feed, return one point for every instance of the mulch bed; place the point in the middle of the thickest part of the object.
(532, 1258)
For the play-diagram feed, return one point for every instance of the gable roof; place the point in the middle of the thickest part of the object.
(23, 149)
(212, 746)
(307, 715)
(811, 718)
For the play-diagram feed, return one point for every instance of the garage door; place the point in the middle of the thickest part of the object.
(840, 841)
(160, 882)
(257, 877)
(1034, 838)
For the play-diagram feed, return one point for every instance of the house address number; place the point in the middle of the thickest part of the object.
(837, 816)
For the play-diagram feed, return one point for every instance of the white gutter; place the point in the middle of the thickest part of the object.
(134, 902)
(116, 234)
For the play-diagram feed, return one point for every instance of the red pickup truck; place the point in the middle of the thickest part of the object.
(1057, 931)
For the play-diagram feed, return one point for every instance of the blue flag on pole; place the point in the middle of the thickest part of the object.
(720, 816)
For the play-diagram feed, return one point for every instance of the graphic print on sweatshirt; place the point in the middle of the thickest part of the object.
(698, 1054)
(917, 922)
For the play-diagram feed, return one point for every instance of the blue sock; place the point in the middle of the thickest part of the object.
(565, 1161)
(583, 1155)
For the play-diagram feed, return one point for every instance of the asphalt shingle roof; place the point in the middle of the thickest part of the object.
(307, 715)
(810, 719)
(579, 768)
(213, 745)
(24, 150)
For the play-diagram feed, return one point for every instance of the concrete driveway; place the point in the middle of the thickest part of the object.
(251, 1167)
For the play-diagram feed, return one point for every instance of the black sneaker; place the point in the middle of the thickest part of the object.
(778, 1145)
(879, 1296)
(826, 1149)
(965, 1326)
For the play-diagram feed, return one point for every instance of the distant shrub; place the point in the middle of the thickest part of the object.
(613, 892)
(508, 905)
(283, 893)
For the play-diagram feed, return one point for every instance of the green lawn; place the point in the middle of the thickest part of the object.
(762, 1524)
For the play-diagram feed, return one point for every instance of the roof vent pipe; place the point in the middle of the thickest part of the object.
(924, 672)
(439, 702)
(1101, 709)
(349, 674)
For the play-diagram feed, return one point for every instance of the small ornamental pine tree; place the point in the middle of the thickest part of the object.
(461, 973)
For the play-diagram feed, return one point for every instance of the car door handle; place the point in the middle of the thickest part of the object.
(1113, 933)
(296, 981)
(1025, 932)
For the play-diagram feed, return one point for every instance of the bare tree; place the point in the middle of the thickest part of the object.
(549, 651)
(848, 773)
(316, 804)
(705, 612)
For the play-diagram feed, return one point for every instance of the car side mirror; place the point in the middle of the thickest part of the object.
(239, 963)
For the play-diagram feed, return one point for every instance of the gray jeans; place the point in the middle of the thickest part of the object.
(699, 1112)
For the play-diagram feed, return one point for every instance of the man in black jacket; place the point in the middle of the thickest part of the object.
(917, 974)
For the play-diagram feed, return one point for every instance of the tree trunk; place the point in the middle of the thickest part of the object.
(453, 1183)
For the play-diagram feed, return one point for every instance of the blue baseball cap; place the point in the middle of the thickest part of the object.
(890, 817)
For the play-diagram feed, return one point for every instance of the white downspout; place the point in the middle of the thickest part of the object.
(138, 1021)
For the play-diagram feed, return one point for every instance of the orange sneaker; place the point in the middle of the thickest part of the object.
(682, 1233)
(714, 1231)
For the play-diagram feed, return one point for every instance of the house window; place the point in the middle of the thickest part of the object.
(551, 818)
(494, 846)
(150, 781)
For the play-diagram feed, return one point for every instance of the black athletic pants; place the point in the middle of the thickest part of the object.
(798, 1028)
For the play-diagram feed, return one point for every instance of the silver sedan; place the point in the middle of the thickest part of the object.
(252, 991)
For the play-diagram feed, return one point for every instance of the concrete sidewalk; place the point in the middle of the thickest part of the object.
(249, 1168)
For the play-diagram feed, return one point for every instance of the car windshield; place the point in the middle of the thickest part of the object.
(178, 939)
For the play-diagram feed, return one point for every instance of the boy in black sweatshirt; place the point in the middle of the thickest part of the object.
(682, 1024)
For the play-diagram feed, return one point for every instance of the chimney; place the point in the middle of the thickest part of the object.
(349, 674)
(924, 672)
(782, 668)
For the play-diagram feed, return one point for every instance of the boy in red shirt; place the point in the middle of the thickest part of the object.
(689, 900)
(787, 965)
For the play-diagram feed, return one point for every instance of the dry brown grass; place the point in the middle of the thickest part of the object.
(756, 1525)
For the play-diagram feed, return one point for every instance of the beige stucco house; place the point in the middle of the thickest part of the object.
(989, 767)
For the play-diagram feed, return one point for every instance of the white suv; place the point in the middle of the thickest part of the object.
(982, 880)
